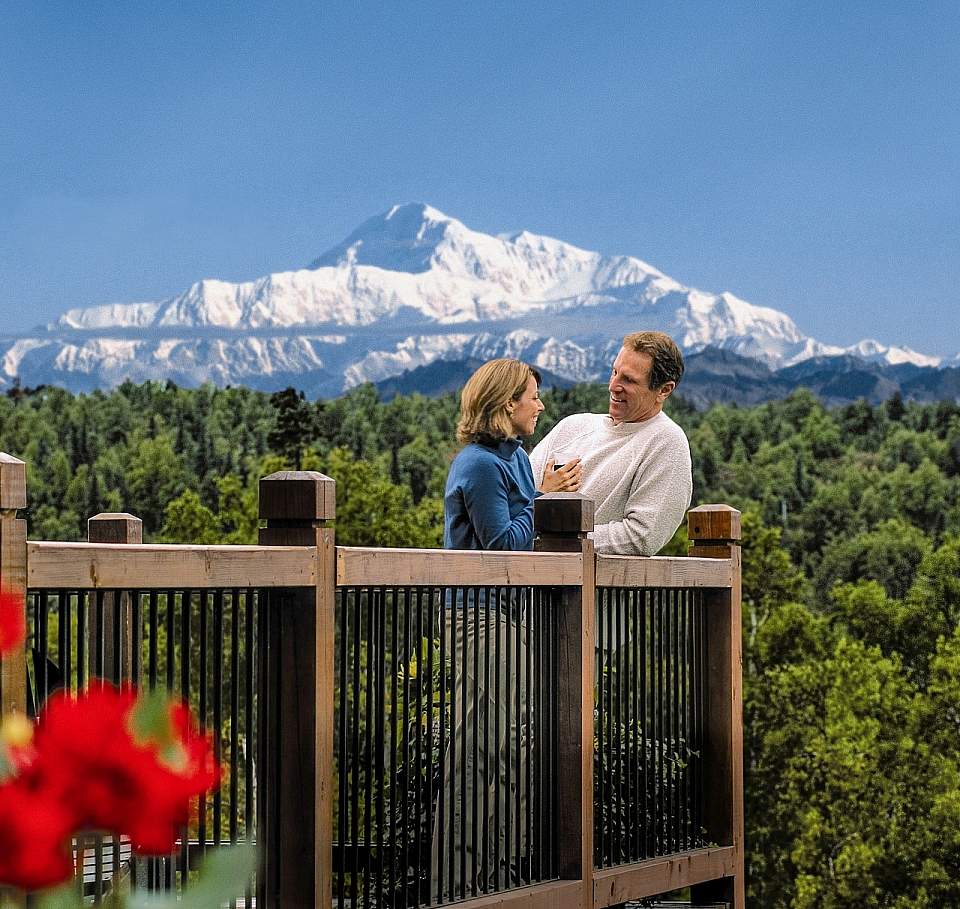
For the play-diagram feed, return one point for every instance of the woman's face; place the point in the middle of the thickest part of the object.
(525, 409)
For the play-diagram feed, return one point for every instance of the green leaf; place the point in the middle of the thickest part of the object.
(65, 897)
(6, 766)
(224, 875)
(150, 722)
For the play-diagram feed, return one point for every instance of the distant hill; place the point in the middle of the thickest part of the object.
(714, 375)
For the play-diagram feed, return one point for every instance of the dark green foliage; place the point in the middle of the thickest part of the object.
(851, 580)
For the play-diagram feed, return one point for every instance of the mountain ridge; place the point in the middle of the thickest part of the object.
(409, 287)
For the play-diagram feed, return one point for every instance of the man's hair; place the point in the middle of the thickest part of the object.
(484, 399)
(661, 348)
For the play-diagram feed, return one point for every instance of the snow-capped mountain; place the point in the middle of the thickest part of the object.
(407, 288)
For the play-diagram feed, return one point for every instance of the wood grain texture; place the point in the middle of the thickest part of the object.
(296, 695)
(455, 567)
(115, 528)
(552, 895)
(13, 482)
(576, 636)
(563, 512)
(613, 886)
(723, 747)
(663, 571)
(713, 522)
(13, 574)
(95, 565)
(297, 495)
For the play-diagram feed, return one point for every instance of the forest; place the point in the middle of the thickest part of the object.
(851, 591)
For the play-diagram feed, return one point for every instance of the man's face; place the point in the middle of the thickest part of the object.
(631, 398)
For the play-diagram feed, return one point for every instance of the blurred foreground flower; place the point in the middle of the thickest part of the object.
(101, 760)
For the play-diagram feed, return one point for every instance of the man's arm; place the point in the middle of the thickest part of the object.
(656, 506)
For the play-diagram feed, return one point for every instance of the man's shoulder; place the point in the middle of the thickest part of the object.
(670, 427)
(579, 422)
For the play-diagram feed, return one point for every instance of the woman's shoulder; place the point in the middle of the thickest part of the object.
(476, 457)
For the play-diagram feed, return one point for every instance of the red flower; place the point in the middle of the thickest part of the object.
(13, 628)
(35, 832)
(86, 751)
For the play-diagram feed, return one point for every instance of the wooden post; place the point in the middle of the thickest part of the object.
(295, 698)
(562, 521)
(714, 533)
(116, 528)
(13, 576)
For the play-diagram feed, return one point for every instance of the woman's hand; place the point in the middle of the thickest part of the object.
(565, 478)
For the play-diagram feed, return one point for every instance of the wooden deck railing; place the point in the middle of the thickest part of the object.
(345, 672)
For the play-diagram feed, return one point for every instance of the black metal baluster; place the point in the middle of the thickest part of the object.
(489, 622)
(371, 641)
(82, 639)
(458, 606)
(379, 658)
(512, 596)
(136, 639)
(497, 817)
(432, 619)
(528, 699)
(234, 719)
(626, 745)
(153, 881)
(249, 739)
(405, 598)
(65, 636)
(600, 797)
(343, 765)
(98, 634)
(418, 639)
(42, 633)
(185, 609)
(217, 710)
(154, 626)
(396, 860)
(475, 741)
(443, 618)
(203, 709)
(356, 768)
(508, 722)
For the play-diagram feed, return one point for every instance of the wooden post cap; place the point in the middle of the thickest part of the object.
(563, 513)
(297, 495)
(716, 523)
(109, 527)
(13, 482)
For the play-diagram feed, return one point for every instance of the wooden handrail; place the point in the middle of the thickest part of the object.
(91, 566)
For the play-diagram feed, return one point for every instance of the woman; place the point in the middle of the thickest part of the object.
(488, 503)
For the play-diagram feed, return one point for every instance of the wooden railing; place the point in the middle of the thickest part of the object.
(653, 702)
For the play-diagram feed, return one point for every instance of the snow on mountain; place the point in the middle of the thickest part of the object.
(874, 352)
(408, 287)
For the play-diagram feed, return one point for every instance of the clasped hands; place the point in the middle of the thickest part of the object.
(565, 478)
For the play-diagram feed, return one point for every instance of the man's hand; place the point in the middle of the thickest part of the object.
(565, 478)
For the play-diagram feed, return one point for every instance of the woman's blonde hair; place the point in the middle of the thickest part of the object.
(484, 399)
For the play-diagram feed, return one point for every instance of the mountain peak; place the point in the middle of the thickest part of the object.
(403, 238)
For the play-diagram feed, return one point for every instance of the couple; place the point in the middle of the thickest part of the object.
(634, 462)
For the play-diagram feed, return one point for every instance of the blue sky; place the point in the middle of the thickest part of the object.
(804, 156)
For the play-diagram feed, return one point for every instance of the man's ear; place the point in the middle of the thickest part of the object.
(666, 388)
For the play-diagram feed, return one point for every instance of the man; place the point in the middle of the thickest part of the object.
(634, 461)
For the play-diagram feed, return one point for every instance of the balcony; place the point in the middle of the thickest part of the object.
(416, 727)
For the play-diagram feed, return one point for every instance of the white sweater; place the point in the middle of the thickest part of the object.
(638, 475)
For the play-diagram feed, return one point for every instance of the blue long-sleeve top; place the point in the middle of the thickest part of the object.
(488, 503)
